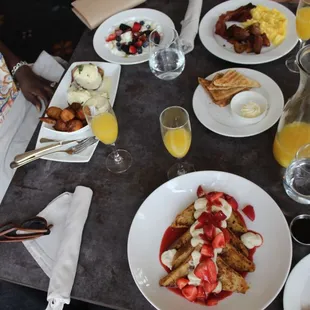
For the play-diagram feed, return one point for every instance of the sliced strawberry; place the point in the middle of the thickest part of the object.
(205, 239)
(200, 292)
(118, 32)
(207, 250)
(190, 292)
(182, 282)
(249, 212)
(232, 201)
(209, 231)
(206, 271)
(212, 302)
(209, 287)
(111, 37)
(132, 49)
(219, 241)
(226, 235)
(138, 43)
(219, 216)
(212, 196)
(136, 27)
(204, 217)
(199, 225)
(216, 203)
(200, 192)
(143, 38)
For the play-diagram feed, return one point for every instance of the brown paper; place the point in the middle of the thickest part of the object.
(93, 12)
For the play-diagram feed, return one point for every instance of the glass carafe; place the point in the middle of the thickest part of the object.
(294, 126)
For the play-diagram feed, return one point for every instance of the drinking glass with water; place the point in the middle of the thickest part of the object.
(296, 180)
(167, 60)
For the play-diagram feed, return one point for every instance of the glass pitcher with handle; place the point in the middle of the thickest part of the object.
(294, 126)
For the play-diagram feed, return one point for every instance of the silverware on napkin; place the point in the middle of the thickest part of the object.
(81, 146)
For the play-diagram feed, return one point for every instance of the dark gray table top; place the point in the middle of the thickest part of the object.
(103, 274)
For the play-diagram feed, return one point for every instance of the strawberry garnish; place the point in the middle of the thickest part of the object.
(136, 27)
(226, 235)
(219, 241)
(213, 196)
(212, 302)
(204, 217)
(232, 201)
(190, 292)
(206, 271)
(199, 225)
(200, 292)
(216, 203)
(209, 231)
(207, 250)
(111, 37)
(219, 216)
(132, 49)
(138, 43)
(200, 192)
(209, 287)
(249, 212)
(182, 282)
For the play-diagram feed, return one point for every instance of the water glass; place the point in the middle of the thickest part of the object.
(296, 179)
(167, 60)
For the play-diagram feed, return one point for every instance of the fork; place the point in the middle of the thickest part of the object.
(71, 151)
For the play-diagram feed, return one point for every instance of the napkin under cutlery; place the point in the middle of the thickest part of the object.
(93, 12)
(190, 25)
(57, 254)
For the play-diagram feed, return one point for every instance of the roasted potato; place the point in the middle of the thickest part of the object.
(75, 106)
(60, 125)
(54, 112)
(254, 29)
(239, 47)
(74, 125)
(48, 120)
(80, 114)
(266, 41)
(67, 115)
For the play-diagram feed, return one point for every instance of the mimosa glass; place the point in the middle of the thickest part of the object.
(102, 120)
(177, 137)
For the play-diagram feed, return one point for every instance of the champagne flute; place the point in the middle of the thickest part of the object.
(177, 137)
(102, 120)
(303, 31)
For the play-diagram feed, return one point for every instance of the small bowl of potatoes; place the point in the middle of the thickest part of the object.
(68, 120)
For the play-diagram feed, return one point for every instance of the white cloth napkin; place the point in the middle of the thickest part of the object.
(22, 120)
(190, 25)
(57, 253)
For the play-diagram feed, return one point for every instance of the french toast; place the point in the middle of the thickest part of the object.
(237, 243)
(185, 218)
(236, 224)
(236, 260)
(182, 254)
(231, 280)
(184, 239)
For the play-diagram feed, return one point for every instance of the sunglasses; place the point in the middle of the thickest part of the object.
(28, 230)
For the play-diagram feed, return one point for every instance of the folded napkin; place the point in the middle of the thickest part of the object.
(57, 254)
(93, 12)
(190, 25)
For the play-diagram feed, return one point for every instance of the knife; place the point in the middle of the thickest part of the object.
(21, 157)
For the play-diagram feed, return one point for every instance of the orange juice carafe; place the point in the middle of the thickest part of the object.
(294, 126)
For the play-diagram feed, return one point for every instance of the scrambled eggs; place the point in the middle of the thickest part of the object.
(271, 21)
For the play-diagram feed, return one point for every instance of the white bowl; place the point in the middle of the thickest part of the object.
(245, 97)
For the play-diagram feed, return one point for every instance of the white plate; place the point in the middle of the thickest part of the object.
(215, 44)
(60, 100)
(296, 293)
(136, 14)
(273, 258)
(223, 122)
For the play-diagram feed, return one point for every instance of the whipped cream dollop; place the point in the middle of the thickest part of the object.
(167, 257)
(251, 109)
(251, 240)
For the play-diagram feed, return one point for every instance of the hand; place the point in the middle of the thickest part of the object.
(33, 86)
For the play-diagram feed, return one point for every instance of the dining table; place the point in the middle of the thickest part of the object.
(103, 276)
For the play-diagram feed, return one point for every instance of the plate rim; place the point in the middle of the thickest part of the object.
(209, 41)
(227, 134)
(290, 245)
(120, 62)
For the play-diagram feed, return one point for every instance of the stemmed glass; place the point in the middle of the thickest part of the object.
(303, 31)
(102, 120)
(176, 133)
(167, 60)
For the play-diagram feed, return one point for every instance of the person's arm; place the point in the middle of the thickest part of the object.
(32, 86)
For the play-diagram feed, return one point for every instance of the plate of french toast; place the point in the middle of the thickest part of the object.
(209, 238)
(216, 97)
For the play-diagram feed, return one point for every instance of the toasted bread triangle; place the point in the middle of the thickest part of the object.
(233, 79)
